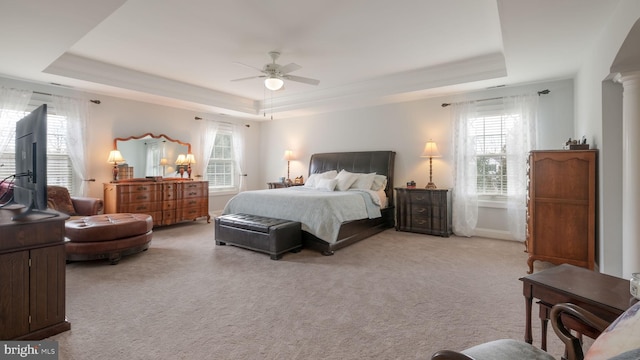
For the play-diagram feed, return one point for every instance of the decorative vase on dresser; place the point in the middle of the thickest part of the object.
(561, 217)
(426, 211)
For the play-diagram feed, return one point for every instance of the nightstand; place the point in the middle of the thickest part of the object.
(426, 211)
(278, 185)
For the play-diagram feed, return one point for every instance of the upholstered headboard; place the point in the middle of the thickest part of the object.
(380, 162)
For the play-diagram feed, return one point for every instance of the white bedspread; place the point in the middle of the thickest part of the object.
(320, 212)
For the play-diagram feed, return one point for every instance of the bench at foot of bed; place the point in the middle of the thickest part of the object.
(268, 235)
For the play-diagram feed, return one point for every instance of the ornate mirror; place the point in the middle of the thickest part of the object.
(150, 155)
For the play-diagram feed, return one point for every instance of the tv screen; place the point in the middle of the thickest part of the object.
(30, 186)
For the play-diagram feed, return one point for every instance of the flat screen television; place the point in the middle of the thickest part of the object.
(30, 185)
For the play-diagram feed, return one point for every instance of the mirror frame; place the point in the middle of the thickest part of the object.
(115, 141)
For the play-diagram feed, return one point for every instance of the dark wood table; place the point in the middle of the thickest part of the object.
(604, 295)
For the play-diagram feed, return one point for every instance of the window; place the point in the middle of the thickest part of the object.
(59, 168)
(489, 134)
(221, 167)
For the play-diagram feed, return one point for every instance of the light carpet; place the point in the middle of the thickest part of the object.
(395, 295)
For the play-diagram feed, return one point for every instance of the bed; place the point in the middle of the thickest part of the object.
(333, 232)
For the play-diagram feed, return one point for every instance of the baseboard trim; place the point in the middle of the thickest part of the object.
(494, 234)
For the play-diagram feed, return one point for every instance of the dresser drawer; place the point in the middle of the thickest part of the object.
(143, 208)
(192, 202)
(138, 197)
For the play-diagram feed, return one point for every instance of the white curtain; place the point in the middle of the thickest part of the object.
(208, 131)
(238, 154)
(11, 101)
(521, 138)
(465, 190)
(520, 114)
(75, 110)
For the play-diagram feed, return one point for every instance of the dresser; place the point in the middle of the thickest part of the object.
(561, 209)
(168, 202)
(426, 211)
(32, 277)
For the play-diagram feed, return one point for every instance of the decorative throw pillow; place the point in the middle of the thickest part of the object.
(327, 184)
(59, 199)
(363, 181)
(621, 338)
(379, 182)
(345, 180)
(312, 181)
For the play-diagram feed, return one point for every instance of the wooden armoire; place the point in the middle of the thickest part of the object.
(561, 219)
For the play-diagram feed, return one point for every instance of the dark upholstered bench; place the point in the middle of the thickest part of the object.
(272, 236)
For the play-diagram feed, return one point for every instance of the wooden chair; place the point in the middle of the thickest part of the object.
(619, 340)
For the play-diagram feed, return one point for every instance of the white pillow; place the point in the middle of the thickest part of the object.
(363, 181)
(313, 178)
(379, 182)
(345, 180)
(327, 184)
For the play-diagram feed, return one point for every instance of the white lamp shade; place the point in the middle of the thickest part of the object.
(164, 161)
(288, 155)
(273, 83)
(181, 160)
(430, 149)
(115, 157)
(190, 159)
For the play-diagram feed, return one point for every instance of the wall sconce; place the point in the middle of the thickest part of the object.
(181, 161)
(288, 155)
(189, 159)
(115, 157)
(430, 151)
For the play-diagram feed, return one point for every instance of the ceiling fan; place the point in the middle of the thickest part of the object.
(275, 74)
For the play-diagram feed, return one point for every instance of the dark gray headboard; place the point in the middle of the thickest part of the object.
(380, 162)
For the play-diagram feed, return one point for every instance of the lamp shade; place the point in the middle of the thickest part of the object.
(181, 160)
(164, 161)
(115, 157)
(288, 155)
(430, 149)
(273, 83)
(190, 159)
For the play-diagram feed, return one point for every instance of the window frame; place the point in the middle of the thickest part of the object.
(226, 161)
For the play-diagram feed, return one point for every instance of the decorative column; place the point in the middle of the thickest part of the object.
(630, 173)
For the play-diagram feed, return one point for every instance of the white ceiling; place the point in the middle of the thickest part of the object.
(185, 53)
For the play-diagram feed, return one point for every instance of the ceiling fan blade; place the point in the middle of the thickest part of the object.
(249, 66)
(250, 77)
(289, 68)
(302, 79)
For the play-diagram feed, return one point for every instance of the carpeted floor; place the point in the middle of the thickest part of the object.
(395, 295)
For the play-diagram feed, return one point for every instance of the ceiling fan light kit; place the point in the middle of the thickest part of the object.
(275, 74)
(273, 83)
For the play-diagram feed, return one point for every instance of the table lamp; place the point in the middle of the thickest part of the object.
(181, 161)
(115, 157)
(189, 159)
(430, 151)
(288, 155)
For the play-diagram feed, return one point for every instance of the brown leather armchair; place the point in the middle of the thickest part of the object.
(58, 198)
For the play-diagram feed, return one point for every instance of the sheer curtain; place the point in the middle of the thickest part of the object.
(208, 131)
(238, 154)
(11, 101)
(465, 191)
(520, 114)
(521, 138)
(75, 110)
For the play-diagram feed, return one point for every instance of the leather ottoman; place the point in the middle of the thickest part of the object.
(268, 235)
(108, 236)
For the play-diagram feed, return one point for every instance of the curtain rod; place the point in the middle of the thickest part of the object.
(541, 92)
(47, 94)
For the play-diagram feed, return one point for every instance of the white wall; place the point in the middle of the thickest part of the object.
(404, 128)
(597, 117)
(116, 117)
